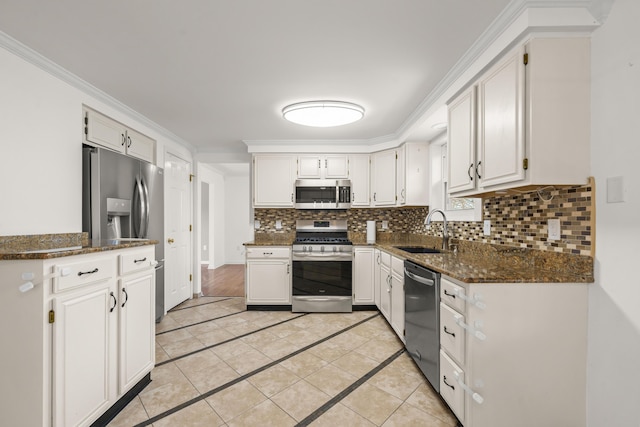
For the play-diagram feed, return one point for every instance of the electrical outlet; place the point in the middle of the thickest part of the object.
(553, 229)
(278, 224)
(486, 227)
(256, 224)
(385, 225)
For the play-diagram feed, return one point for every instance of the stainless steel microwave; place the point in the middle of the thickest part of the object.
(323, 194)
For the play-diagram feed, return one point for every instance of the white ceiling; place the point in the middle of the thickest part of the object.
(218, 72)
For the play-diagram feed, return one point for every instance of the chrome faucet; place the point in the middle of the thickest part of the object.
(445, 231)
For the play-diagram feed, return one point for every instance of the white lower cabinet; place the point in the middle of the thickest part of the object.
(363, 275)
(518, 356)
(83, 354)
(391, 303)
(268, 275)
(81, 338)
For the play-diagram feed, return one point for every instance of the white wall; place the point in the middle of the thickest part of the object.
(238, 228)
(613, 372)
(41, 149)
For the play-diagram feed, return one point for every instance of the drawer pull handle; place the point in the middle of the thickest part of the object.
(444, 379)
(416, 354)
(449, 295)
(447, 332)
(139, 260)
(126, 296)
(475, 396)
(95, 270)
(115, 302)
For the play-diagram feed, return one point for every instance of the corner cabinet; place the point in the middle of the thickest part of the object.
(412, 179)
(383, 178)
(104, 131)
(273, 179)
(80, 339)
(494, 341)
(268, 275)
(523, 120)
(359, 166)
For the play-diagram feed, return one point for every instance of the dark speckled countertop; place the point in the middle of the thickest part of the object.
(474, 262)
(45, 246)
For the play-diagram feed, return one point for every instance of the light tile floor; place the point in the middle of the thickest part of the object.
(220, 365)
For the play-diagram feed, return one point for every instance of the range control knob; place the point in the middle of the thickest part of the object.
(321, 248)
(310, 248)
(335, 249)
(304, 249)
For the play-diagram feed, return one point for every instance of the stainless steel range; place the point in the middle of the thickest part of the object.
(322, 262)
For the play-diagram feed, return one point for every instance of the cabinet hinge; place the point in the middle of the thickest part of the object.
(525, 59)
(191, 177)
(52, 316)
(525, 163)
(191, 277)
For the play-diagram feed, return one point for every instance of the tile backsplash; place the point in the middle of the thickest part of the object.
(517, 220)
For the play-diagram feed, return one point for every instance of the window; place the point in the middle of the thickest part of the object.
(456, 209)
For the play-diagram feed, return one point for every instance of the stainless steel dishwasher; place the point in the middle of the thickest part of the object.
(422, 319)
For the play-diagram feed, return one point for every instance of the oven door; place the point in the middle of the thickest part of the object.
(323, 284)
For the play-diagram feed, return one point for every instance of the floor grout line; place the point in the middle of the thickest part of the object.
(241, 378)
(227, 341)
(200, 323)
(173, 310)
(347, 391)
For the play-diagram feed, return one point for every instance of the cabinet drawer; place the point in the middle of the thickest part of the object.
(397, 266)
(452, 336)
(133, 261)
(268, 252)
(83, 272)
(450, 390)
(449, 294)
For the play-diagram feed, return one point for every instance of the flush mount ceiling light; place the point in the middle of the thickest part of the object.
(323, 113)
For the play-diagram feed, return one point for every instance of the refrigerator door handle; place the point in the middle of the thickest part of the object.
(145, 207)
(138, 209)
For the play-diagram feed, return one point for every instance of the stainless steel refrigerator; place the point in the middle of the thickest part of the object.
(123, 198)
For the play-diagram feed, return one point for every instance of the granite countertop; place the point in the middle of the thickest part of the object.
(474, 262)
(513, 266)
(48, 246)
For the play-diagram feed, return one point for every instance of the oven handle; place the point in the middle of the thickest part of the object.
(335, 256)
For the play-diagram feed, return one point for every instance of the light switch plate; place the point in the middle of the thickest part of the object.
(256, 224)
(486, 227)
(385, 225)
(553, 229)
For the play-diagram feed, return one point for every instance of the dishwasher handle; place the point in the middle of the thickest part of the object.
(419, 279)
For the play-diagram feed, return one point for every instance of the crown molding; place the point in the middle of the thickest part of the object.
(31, 56)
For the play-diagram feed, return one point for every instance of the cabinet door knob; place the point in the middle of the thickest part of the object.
(170, 240)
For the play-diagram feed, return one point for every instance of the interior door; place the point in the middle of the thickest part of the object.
(178, 276)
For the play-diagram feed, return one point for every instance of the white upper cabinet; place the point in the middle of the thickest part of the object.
(359, 166)
(383, 178)
(273, 179)
(102, 130)
(412, 179)
(500, 122)
(330, 166)
(532, 111)
(462, 142)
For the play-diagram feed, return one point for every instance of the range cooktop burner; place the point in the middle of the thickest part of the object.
(322, 239)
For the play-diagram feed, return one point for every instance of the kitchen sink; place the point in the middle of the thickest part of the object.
(418, 250)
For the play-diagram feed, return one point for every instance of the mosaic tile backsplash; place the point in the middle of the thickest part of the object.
(518, 220)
